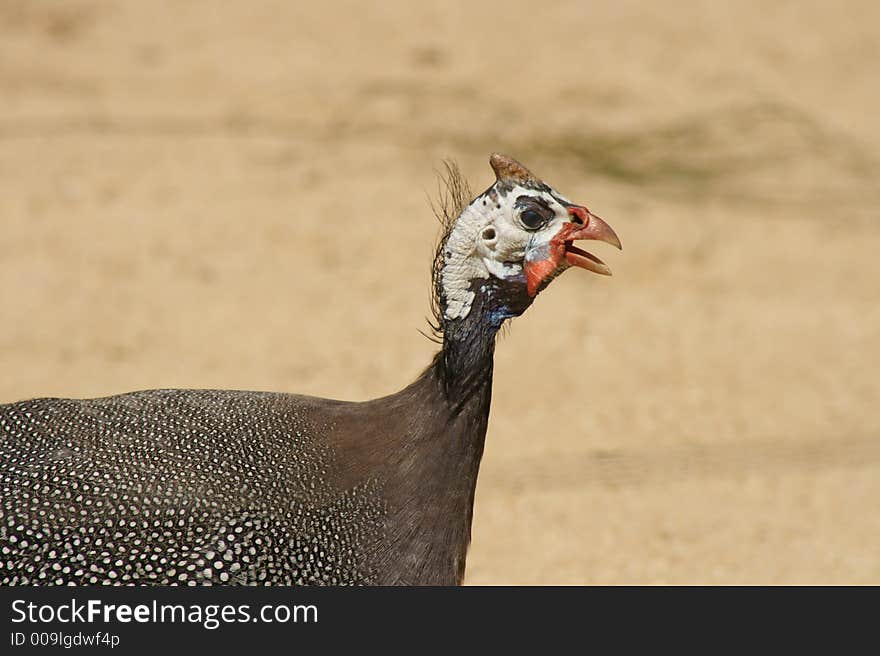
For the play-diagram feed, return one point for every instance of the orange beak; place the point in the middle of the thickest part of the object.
(560, 253)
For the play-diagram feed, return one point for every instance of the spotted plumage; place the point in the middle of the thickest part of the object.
(176, 487)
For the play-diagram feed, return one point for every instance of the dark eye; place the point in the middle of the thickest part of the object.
(532, 220)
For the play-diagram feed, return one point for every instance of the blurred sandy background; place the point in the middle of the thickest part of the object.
(235, 195)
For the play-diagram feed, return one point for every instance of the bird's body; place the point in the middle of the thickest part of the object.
(211, 486)
(206, 487)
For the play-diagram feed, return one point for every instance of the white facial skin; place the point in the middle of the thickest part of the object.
(490, 239)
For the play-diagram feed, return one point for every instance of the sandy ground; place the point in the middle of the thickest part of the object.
(235, 195)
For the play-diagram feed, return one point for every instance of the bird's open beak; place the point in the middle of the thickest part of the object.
(543, 262)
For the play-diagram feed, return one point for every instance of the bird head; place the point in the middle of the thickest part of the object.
(511, 241)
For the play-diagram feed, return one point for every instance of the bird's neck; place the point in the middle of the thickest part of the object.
(434, 462)
(464, 365)
(425, 446)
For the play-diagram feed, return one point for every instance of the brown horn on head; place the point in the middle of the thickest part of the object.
(508, 169)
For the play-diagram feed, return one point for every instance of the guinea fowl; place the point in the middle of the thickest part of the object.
(206, 486)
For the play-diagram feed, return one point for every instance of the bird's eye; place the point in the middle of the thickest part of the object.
(532, 220)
